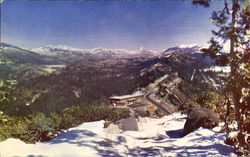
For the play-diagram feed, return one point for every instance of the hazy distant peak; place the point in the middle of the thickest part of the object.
(4, 45)
(141, 48)
(115, 51)
(52, 49)
(146, 51)
(189, 48)
(7, 46)
(63, 49)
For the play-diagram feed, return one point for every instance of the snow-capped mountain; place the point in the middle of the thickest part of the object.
(61, 54)
(54, 50)
(20, 55)
(108, 71)
(192, 48)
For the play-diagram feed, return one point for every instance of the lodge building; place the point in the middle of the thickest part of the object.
(125, 100)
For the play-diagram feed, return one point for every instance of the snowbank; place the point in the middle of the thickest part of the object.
(156, 137)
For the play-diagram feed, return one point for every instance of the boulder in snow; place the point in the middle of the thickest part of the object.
(113, 129)
(200, 117)
(129, 124)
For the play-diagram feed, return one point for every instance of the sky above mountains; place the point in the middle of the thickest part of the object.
(154, 25)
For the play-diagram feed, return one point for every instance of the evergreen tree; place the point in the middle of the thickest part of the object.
(232, 23)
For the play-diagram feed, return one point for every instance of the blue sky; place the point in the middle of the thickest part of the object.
(154, 25)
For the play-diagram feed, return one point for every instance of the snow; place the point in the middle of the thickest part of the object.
(189, 48)
(57, 49)
(189, 45)
(115, 51)
(225, 69)
(156, 137)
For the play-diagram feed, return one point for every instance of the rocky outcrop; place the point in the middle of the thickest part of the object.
(200, 117)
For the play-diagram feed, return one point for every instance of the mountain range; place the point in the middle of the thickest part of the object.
(92, 76)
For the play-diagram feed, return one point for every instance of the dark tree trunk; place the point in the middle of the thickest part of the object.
(234, 65)
(227, 113)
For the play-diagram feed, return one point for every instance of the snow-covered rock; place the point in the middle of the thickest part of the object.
(129, 124)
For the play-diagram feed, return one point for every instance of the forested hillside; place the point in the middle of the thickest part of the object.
(93, 81)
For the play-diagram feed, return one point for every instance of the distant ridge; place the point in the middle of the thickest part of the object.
(62, 49)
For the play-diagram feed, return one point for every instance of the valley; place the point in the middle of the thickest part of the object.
(60, 90)
(124, 78)
(97, 74)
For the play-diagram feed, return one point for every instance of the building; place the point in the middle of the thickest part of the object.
(125, 100)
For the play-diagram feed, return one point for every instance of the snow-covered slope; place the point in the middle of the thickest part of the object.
(156, 137)
(192, 48)
(225, 69)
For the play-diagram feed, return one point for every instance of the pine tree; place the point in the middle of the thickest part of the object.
(233, 25)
